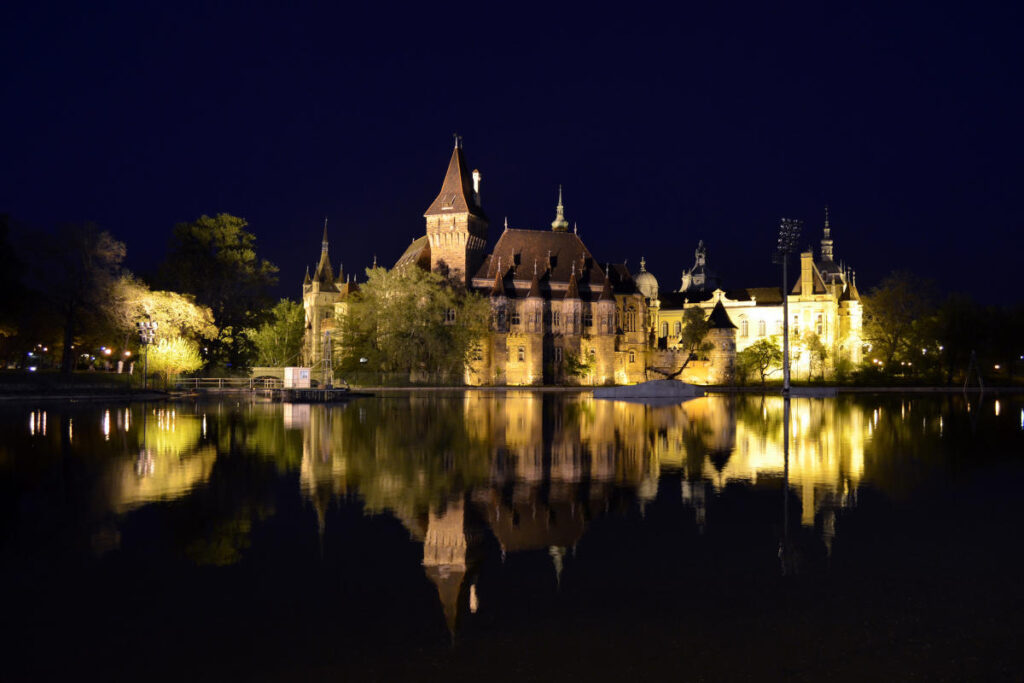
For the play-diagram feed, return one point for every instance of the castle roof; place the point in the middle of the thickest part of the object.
(456, 195)
(719, 319)
(818, 283)
(555, 252)
(498, 288)
(850, 293)
(572, 291)
(417, 253)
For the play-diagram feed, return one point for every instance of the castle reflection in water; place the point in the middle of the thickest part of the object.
(534, 468)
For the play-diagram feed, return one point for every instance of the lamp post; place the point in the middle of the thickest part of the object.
(789, 233)
(147, 333)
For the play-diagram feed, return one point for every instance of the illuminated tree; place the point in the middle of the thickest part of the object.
(763, 357)
(131, 300)
(174, 356)
(214, 259)
(279, 340)
(817, 354)
(410, 321)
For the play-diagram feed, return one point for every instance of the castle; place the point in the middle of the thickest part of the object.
(560, 316)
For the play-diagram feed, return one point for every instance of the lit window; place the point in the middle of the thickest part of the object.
(819, 326)
(664, 329)
(588, 319)
(632, 356)
(556, 318)
(761, 328)
(521, 353)
(558, 354)
(514, 319)
(678, 329)
(744, 328)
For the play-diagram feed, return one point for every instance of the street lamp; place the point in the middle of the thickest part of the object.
(789, 233)
(147, 334)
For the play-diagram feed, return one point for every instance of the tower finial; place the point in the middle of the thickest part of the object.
(458, 140)
(506, 222)
(560, 224)
(374, 260)
(826, 218)
(323, 243)
(643, 265)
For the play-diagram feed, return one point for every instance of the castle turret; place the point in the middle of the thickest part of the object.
(456, 223)
(560, 224)
(320, 294)
(722, 336)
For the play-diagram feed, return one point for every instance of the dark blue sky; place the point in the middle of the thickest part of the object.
(665, 124)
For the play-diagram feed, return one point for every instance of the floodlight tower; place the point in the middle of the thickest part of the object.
(789, 233)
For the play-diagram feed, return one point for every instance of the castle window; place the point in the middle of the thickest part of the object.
(501, 320)
(558, 354)
(796, 326)
(588, 319)
(761, 328)
(744, 328)
(678, 329)
(593, 355)
(327, 314)
(521, 354)
(515, 317)
(819, 326)
(632, 356)
(664, 329)
(556, 318)
(449, 316)
(478, 352)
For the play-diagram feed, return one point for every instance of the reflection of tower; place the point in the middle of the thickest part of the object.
(444, 558)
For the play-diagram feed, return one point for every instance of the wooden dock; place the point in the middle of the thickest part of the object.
(310, 395)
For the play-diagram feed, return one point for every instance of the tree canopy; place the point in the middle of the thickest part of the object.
(214, 259)
(762, 358)
(279, 340)
(410, 321)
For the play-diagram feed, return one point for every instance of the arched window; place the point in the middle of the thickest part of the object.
(664, 329)
(678, 329)
(744, 328)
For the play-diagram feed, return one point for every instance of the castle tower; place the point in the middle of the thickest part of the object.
(532, 312)
(560, 224)
(500, 325)
(604, 340)
(722, 334)
(851, 314)
(319, 295)
(456, 223)
(826, 240)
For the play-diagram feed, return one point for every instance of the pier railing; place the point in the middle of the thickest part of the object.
(228, 383)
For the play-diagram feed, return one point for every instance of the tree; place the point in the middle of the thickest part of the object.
(762, 357)
(578, 365)
(215, 260)
(817, 354)
(279, 340)
(76, 273)
(891, 311)
(177, 315)
(410, 321)
(174, 356)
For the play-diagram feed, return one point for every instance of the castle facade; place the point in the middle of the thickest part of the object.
(561, 316)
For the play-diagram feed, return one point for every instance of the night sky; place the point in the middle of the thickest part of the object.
(665, 125)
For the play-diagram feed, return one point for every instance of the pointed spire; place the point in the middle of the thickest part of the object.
(506, 222)
(719, 318)
(456, 195)
(826, 241)
(323, 243)
(307, 280)
(573, 292)
(606, 290)
(498, 288)
(560, 224)
(323, 273)
(534, 292)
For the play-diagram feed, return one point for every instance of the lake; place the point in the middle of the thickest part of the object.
(485, 535)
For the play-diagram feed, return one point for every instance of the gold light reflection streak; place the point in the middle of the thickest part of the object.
(106, 425)
(997, 407)
(71, 430)
(32, 423)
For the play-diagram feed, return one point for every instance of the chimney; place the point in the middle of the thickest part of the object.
(476, 186)
(807, 273)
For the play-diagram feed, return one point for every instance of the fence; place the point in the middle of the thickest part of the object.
(228, 383)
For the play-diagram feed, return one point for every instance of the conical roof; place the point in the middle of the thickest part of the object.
(498, 289)
(719, 319)
(307, 280)
(534, 292)
(573, 291)
(606, 291)
(456, 195)
(850, 293)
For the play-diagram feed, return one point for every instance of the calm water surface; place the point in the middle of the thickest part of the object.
(518, 536)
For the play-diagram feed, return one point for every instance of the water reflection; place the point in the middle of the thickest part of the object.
(466, 473)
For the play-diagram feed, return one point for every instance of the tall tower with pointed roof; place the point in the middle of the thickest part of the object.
(456, 223)
(560, 224)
